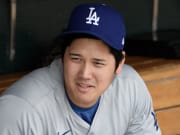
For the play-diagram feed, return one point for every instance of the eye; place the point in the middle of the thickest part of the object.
(75, 58)
(99, 64)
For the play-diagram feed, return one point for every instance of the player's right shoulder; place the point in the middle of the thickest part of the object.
(36, 85)
(15, 112)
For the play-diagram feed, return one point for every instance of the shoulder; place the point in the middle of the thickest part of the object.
(37, 84)
(129, 85)
(29, 100)
(130, 76)
(14, 113)
(129, 79)
(129, 72)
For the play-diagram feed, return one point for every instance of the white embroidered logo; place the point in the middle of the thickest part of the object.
(123, 41)
(92, 18)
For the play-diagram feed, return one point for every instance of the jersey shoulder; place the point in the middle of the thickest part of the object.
(37, 84)
(131, 84)
(129, 72)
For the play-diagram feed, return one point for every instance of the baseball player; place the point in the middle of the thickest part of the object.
(88, 90)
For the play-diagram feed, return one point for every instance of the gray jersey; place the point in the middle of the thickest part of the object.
(37, 105)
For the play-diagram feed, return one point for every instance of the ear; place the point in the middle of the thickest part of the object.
(119, 68)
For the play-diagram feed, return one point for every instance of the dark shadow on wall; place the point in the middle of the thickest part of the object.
(29, 54)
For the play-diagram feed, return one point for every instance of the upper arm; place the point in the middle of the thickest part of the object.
(143, 119)
(17, 117)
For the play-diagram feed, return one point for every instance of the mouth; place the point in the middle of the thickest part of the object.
(83, 87)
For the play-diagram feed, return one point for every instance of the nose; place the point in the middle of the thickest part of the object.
(86, 71)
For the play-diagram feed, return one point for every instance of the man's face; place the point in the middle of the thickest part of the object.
(89, 68)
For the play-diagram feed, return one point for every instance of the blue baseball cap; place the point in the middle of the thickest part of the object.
(98, 20)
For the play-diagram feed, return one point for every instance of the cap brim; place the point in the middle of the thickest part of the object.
(99, 36)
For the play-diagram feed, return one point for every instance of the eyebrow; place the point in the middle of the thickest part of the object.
(74, 54)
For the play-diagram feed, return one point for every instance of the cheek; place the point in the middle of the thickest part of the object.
(69, 77)
(70, 70)
(105, 78)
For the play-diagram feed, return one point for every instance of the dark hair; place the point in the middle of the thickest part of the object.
(60, 45)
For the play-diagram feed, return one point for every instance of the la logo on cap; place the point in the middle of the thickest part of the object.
(92, 18)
